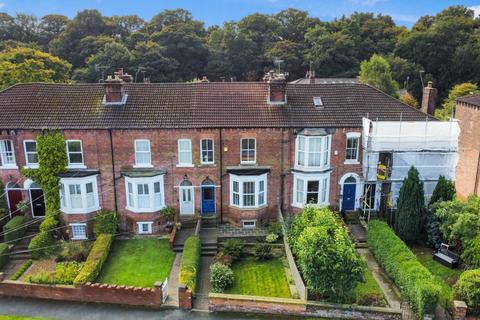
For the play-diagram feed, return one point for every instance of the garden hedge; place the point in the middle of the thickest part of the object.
(190, 263)
(468, 288)
(14, 229)
(415, 282)
(4, 255)
(99, 253)
(42, 245)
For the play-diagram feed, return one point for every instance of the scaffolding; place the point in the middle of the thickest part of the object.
(390, 148)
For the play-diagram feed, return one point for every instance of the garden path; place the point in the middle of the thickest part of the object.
(203, 288)
(172, 299)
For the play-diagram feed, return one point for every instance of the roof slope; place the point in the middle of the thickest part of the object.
(201, 105)
(473, 99)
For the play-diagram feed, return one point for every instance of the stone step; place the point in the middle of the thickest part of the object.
(21, 257)
(208, 253)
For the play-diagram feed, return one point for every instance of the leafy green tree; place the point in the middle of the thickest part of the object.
(410, 208)
(51, 26)
(407, 75)
(377, 73)
(291, 54)
(444, 191)
(29, 65)
(152, 58)
(448, 107)
(407, 98)
(124, 26)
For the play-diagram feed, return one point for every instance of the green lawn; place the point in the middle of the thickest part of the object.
(368, 293)
(446, 277)
(6, 317)
(139, 262)
(260, 278)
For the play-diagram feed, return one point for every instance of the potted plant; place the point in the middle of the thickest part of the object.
(169, 214)
(23, 206)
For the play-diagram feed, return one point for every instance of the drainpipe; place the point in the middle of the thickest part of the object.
(221, 175)
(282, 172)
(113, 172)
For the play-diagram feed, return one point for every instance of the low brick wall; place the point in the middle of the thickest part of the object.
(99, 293)
(171, 237)
(218, 302)
(185, 298)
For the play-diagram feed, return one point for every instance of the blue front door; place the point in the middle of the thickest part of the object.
(348, 202)
(208, 200)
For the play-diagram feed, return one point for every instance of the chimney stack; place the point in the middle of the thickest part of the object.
(115, 87)
(429, 99)
(277, 87)
(310, 76)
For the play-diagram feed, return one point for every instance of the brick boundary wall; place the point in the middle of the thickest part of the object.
(185, 298)
(218, 302)
(90, 292)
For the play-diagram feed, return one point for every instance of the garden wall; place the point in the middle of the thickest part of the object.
(218, 302)
(99, 293)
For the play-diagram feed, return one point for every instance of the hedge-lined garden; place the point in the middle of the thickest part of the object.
(415, 282)
(190, 263)
(14, 229)
(4, 255)
(95, 260)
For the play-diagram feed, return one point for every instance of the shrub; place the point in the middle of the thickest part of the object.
(223, 258)
(221, 277)
(95, 260)
(432, 229)
(42, 245)
(14, 229)
(74, 251)
(275, 228)
(66, 272)
(22, 269)
(233, 248)
(416, 283)
(49, 223)
(471, 252)
(467, 288)
(190, 263)
(271, 237)
(105, 222)
(42, 278)
(262, 251)
(168, 213)
(4, 255)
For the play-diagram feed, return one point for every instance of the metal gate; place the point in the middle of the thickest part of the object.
(165, 291)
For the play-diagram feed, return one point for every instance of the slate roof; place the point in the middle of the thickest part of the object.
(473, 99)
(200, 105)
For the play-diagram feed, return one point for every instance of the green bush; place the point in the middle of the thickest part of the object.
(66, 272)
(471, 252)
(190, 263)
(14, 229)
(74, 251)
(105, 222)
(42, 245)
(223, 258)
(221, 277)
(95, 260)
(271, 237)
(276, 228)
(467, 288)
(233, 248)
(22, 269)
(4, 255)
(416, 283)
(42, 278)
(262, 251)
(49, 223)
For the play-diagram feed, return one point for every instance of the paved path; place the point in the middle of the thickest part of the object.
(172, 300)
(203, 286)
(389, 290)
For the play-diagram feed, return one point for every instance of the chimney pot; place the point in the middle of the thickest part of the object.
(429, 98)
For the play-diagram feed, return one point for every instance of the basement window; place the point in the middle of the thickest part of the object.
(249, 224)
(317, 102)
(145, 227)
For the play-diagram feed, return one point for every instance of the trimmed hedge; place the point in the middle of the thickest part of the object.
(42, 245)
(4, 255)
(20, 271)
(14, 229)
(190, 263)
(415, 282)
(468, 288)
(95, 260)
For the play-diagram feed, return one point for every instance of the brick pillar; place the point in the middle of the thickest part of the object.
(158, 292)
(184, 297)
(459, 310)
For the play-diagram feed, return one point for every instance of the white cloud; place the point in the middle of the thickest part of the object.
(2, 4)
(476, 10)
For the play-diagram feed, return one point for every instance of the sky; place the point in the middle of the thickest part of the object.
(404, 12)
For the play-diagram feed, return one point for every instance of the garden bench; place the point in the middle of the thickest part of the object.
(446, 257)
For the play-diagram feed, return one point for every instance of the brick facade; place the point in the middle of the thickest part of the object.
(275, 149)
(468, 167)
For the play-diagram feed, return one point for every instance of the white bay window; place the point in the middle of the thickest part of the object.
(79, 195)
(312, 152)
(311, 189)
(248, 191)
(145, 194)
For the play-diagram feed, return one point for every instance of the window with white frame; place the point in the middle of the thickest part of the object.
(75, 153)
(313, 151)
(143, 155)
(353, 139)
(31, 155)
(184, 152)
(311, 189)
(248, 151)
(248, 191)
(249, 224)
(79, 195)
(206, 151)
(145, 227)
(7, 154)
(79, 231)
(145, 194)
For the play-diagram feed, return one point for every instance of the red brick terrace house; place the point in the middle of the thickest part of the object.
(235, 151)
(467, 112)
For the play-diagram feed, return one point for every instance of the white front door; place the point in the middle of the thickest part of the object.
(186, 200)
